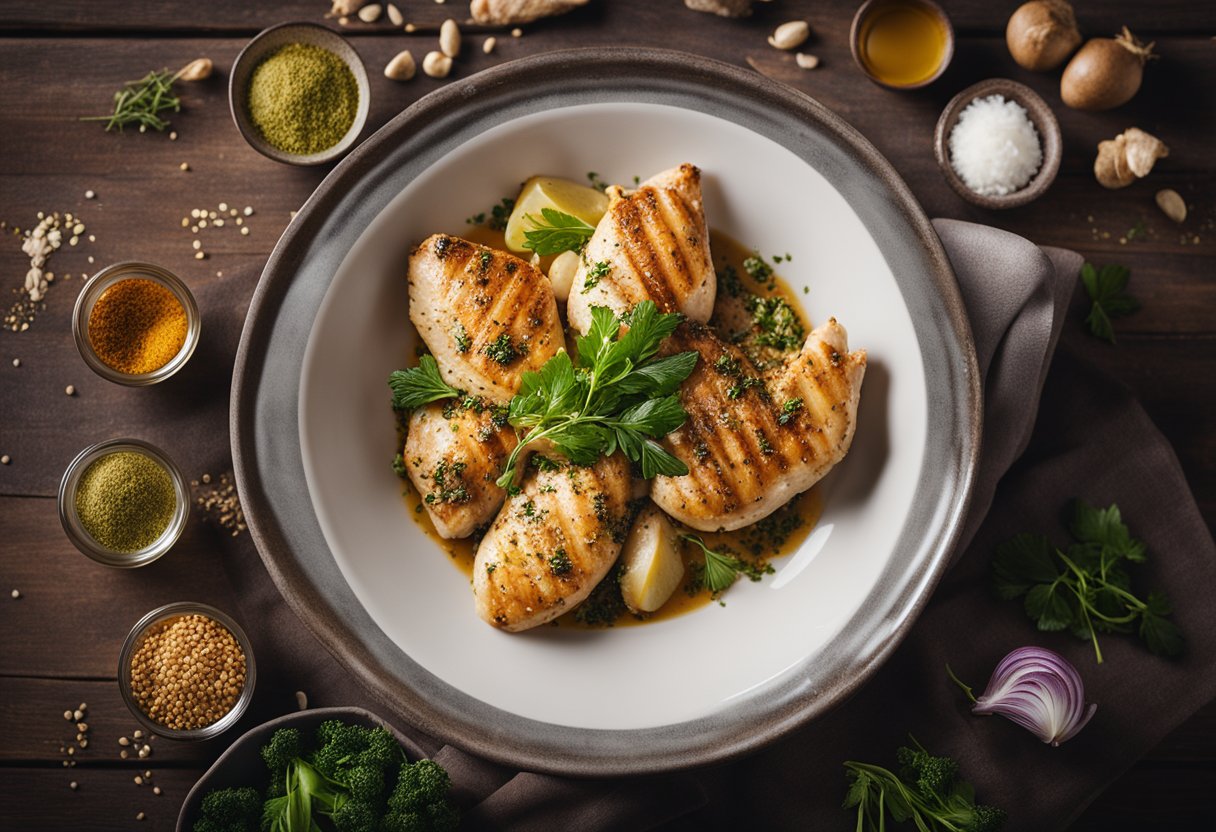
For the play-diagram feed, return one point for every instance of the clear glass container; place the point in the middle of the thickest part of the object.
(136, 637)
(97, 286)
(80, 536)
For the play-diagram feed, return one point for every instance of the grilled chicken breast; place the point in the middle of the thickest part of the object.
(753, 442)
(654, 245)
(552, 543)
(453, 453)
(486, 315)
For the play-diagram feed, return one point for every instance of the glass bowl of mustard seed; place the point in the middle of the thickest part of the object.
(299, 94)
(123, 502)
(186, 671)
(136, 324)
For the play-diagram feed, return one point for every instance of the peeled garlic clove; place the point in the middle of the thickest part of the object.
(449, 38)
(370, 13)
(790, 35)
(806, 61)
(196, 70)
(561, 273)
(1143, 151)
(650, 558)
(401, 67)
(394, 15)
(436, 64)
(1172, 205)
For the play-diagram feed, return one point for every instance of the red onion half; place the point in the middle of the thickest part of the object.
(1039, 690)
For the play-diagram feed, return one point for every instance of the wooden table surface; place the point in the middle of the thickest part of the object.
(59, 641)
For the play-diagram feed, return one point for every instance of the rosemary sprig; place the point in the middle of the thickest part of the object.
(139, 102)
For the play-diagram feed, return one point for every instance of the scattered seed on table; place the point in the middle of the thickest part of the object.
(223, 206)
(16, 362)
(244, 231)
(517, 33)
(139, 781)
(73, 785)
(198, 255)
(5, 460)
(140, 816)
(156, 790)
(16, 593)
(71, 751)
(489, 44)
(78, 714)
(84, 743)
(197, 244)
(123, 754)
(70, 390)
(82, 726)
(147, 775)
(123, 741)
(139, 735)
(184, 166)
(172, 135)
(248, 211)
(92, 239)
(67, 715)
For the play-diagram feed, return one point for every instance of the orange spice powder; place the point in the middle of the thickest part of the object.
(137, 326)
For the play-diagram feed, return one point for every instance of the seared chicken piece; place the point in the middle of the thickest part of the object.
(744, 462)
(454, 452)
(652, 244)
(486, 315)
(552, 543)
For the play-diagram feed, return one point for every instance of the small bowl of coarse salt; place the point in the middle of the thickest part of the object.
(998, 144)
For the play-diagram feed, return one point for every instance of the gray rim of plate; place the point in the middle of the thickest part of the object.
(264, 410)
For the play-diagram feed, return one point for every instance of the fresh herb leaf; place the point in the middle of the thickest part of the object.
(927, 791)
(598, 183)
(419, 385)
(140, 102)
(1085, 589)
(722, 569)
(789, 411)
(503, 351)
(619, 397)
(556, 232)
(461, 336)
(777, 324)
(1106, 287)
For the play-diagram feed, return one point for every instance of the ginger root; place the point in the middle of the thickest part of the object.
(1127, 157)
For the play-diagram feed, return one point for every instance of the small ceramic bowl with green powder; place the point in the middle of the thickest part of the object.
(123, 502)
(299, 94)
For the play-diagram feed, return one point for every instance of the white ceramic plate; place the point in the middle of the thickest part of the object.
(689, 688)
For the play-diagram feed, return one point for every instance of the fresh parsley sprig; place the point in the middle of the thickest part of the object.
(618, 397)
(927, 791)
(1106, 287)
(722, 569)
(555, 232)
(419, 385)
(1086, 589)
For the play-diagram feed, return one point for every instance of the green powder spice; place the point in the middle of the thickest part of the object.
(125, 501)
(303, 98)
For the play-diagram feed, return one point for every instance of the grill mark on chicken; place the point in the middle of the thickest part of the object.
(638, 245)
(736, 478)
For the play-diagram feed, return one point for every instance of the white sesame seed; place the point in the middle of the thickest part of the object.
(123, 741)
(70, 390)
(184, 166)
(67, 715)
(156, 790)
(223, 206)
(194, 212)
(248, 211)
(139, 781)
(197, 244)
(219, 222)
(90, 194)
(16, 362)
(198, 255)
(245, 231)
(92, 238)
(5, 460)
(16, 593)
(517, 33)
(73, 785)
(140, 816)
(172, 135)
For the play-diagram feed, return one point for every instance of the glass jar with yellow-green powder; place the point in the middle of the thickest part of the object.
(123, 502)
(302, 99)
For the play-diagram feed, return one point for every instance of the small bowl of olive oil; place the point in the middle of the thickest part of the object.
(902, 44)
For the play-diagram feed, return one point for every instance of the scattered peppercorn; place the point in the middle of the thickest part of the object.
(187, 672)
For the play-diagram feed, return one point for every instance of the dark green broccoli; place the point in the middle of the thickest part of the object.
(355, 816)
(365, 782)
(345, 746)
(932, 775)
(419, 802)
(284, 746)
(230, 810)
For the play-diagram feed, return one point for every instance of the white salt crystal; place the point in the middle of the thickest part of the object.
(994, 148)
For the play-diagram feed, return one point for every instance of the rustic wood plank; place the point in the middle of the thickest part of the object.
(106, 800)
(73, 614)
(234, 16)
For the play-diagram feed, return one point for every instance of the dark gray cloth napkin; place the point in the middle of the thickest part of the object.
(1090, 439)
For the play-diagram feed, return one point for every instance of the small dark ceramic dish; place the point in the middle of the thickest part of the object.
(263, 45)
(242, 765)
(1045, 124)
(872, 7)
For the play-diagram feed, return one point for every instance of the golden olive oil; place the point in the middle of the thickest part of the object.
(903, 44)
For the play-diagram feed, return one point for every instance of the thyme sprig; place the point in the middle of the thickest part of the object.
(140, 102)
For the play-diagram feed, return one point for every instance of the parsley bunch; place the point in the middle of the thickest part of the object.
(722, 568)
(618, 397)
(927, 791)
(555, 232)
(1106, 287)
(419, 385)
(1085, 589)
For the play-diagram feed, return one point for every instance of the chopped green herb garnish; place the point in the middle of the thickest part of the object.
(463, 342)
(789, 411)
(560, 563)
(1137, 232)
(728, 365)
(757, 269)
(419, 385)
(447, 484)
(597, 183)
(728, 279)
(399, 466)
(722, 569)
(746, 383)
(621, 396)
(777, 323)
(555, 232)
(1086, 589)
(503, 351)
(594, 274)
(1106, 287)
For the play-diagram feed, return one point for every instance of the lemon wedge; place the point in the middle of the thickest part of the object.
(651, 560)
(539, 192)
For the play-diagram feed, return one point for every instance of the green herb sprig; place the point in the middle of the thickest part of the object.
(722, 570)
(139, 102)
(1086, 589)
(1106, 287)
(618, 397)
(419, 385)
(556, 232)
(927, 791)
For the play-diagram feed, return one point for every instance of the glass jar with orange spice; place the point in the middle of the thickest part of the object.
(135, 323)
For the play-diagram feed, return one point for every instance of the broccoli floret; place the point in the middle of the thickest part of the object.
(283, 748)
(986, 819)
(419, 802)
(355, 816)
(382, 749)
(932, 775)
(230, 810)
(341, 744)
(365, 783)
